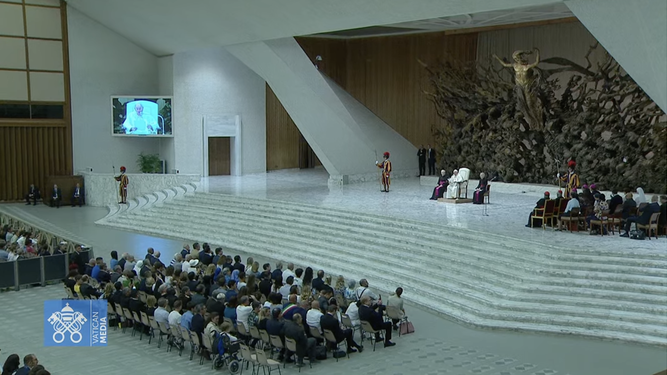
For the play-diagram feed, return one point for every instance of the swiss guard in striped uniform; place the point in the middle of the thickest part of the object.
(123, 181)
(386, 172)
(571, 179)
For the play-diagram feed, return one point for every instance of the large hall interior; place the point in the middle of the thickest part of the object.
(456, 186)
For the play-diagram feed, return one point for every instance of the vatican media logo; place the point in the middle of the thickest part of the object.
(75, 323)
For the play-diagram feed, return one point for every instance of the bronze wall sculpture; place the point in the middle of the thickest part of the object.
(527, 127)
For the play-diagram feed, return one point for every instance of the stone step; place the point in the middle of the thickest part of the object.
(463, 276)
(479, 287)
(606, 294)
(390, 240)
(412, 226)
(470, 308)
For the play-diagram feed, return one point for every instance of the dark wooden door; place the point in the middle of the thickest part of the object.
(219, 158)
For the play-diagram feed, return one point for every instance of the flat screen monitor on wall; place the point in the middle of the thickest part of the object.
(146, 116)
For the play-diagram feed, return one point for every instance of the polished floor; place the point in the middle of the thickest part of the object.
(438, 347)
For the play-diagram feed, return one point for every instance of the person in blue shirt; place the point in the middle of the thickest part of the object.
(96, 269)
(186, 319)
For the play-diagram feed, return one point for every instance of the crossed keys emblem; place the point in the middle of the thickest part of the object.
(67, 320)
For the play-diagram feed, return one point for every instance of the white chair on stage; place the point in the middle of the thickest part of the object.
(465, 176)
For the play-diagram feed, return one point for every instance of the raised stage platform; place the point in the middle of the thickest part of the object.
(484, 270)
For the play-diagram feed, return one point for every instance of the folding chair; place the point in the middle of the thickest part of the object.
(367, 327)
(331, 338)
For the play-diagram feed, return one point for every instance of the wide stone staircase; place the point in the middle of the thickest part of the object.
(477, 278)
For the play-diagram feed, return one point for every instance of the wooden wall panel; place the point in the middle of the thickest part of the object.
(32, 149)
(282, 135)
(385, 75)
(29, 154)
(334, 56)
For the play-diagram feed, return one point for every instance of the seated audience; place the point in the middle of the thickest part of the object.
(572, 203)
(33, 195)
(56, 196)
(175, 314)
(480, 190)
(396, 302)
(12, 363)
(440, 187)
(329, 322)
(600, 212)
(367, 313)
(77, 195)
(615, 201)
(313, 316)
(29, 362)
(628, 206)
(644, 217)
(161, 314)
(453, 186)
(275, 327)
(294, 330)
(538, 206)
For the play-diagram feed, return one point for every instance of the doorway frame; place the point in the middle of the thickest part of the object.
(223, 126)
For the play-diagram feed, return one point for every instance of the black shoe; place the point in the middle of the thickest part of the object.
(289, 360)
(388, 344)
(395, 327)
(27, 204)
(351, 350)
(360, 348)
(527, 225)
(34, 204)
(299, 364)
(624, 235)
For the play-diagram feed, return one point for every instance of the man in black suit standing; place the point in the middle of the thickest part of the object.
(375, 319)
(56, 196)
(329, 321)
(431, 160)
(33, 195)
(77, 196)
(421, 154)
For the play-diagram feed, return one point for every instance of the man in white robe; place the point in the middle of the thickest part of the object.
(138, 123)
(453, 187)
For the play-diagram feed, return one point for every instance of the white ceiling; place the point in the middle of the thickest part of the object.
(168, 26)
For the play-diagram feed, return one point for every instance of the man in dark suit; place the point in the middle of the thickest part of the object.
(275, 327)
(77, 195)
(205, 256)
(645, 216)
(616, 201)
(318, 283)
(329, 321)
(29, 362)
(77, 259)
(56, 196)
(33, 195)
(294, 330)
(431, 160)
(373, 317)
(421, 155)
(198, 324)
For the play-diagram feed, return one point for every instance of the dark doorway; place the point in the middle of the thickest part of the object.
(219, 156)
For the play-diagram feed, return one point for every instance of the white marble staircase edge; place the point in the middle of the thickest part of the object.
(242, 246)
(526, 307)
(412, 224)
(486, 286)
(147, 201)
(466, 311)
(533, 253)
(463, 258)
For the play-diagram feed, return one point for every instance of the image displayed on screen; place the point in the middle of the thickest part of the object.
(141, 116)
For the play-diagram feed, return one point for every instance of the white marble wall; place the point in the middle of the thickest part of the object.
(102, 189)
